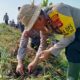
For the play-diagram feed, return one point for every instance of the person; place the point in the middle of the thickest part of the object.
(12, 23)
(32, 40)
(6, 18)
(61, 19)
(19, 24)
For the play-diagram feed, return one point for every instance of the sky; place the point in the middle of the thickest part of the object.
(10, 6)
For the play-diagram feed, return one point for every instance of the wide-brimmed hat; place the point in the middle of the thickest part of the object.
(28, 15)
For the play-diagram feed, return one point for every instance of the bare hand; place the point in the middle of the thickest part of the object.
(32, 66)
(19, 69)
(44, 55)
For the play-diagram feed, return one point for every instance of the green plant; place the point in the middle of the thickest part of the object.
(3, 62)
(44, 3)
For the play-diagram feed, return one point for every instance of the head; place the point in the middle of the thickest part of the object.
(19, 8)
(32, 17)
(40, 22)
(6, 13)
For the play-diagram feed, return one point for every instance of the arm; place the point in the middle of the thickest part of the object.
(22, 46)
(8, 17)
(4, 18)
(43, 44)
(64, 42)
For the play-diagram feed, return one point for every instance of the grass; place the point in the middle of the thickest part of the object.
(8, 36)
(52, 69)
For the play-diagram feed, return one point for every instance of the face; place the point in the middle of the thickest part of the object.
(40, 23)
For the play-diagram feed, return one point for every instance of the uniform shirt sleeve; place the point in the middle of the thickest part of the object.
(64, 42)
(23, 45)
(43, 43)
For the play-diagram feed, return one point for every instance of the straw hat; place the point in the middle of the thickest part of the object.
(28, 15)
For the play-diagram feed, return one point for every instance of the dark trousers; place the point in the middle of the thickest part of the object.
(35, 43)
(6, 22)
(73, 50)
(73, 56)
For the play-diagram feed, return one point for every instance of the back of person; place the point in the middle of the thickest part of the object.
(6, 18)
(68, 10)
(75, 13)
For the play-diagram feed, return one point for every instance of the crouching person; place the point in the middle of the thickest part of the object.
(60, 19)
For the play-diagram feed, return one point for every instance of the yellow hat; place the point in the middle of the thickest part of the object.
(28, 15)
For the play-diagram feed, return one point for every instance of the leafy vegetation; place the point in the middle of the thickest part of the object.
(44, 3)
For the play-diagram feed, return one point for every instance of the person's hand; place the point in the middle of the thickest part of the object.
(32, 66)
(44, 55)
(19, 69)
